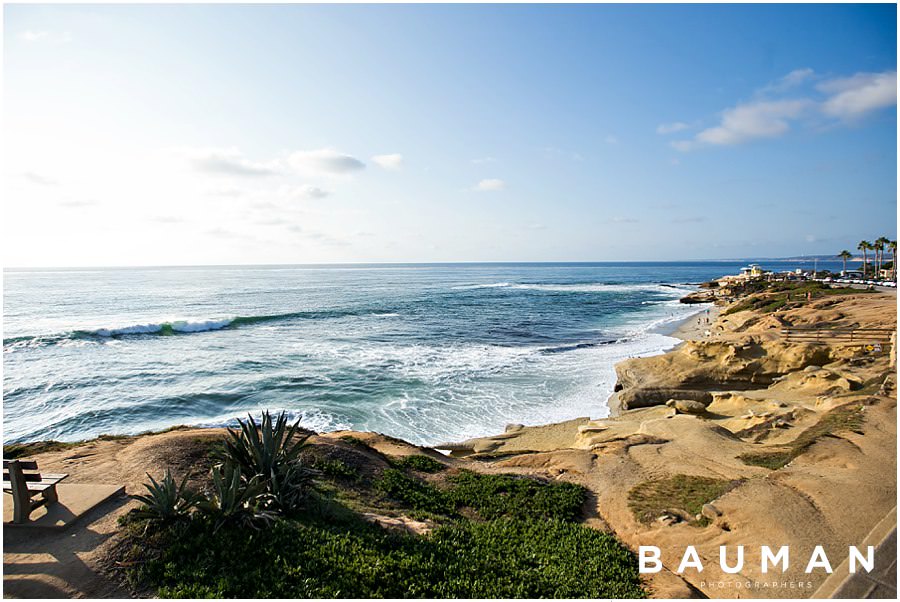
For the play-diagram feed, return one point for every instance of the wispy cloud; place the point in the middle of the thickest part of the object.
(624, 220)
(484, 160)
(762, 119)
(78, 204)
(854, 97)
(226, 191)
(325, 161)
(167, 219)
(223, 233)
(229, 161)
(391, 161)
(768, 116)
(32, 36)
(670, 128)
(36, 178)
(795, 78)
(304, 192)
(490, 184)
(553, 152)
(610, 139)
(316, 236)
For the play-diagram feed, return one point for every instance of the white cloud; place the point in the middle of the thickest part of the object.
(483, 160)
(682, 145)
(490, 184)
(78, 204)
(670, 128)
(226, 191)
(304, 192)
(36, 178)
(610, 139)
(793, 79)
(392, 161)
(624, 220)
(31, 36)
(797, 77)
(768, 116)
(229, 161)
(325, 161)
(744, 122)
(853, 97)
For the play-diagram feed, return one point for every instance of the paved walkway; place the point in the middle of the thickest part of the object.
(881, 583)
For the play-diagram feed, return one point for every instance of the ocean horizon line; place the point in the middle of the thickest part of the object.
(388, 264)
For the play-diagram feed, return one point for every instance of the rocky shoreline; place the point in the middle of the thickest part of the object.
(736, 437)
(780, 435)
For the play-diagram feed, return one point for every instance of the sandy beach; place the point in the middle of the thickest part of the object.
(695, 327)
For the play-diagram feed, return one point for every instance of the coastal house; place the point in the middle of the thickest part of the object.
(754, 270)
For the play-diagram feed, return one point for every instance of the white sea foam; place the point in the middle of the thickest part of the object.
(583, 288)
(475, 286)
(154, 328)
(313, 419)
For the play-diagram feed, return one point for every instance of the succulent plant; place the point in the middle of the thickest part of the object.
(166, 500)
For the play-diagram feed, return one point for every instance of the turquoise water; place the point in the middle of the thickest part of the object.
(422, 352)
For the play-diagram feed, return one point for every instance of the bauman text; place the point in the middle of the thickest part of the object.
(650, 562)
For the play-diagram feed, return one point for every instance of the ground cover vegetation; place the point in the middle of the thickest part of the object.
(279, 518)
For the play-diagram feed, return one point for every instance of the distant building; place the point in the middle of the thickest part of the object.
(752, 271)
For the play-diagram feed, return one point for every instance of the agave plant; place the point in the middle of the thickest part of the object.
(288, 486)
(234, 499)
(166, 500)
(270, 451)
(263, 449)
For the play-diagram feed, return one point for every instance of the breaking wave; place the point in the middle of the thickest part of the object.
(175, 327)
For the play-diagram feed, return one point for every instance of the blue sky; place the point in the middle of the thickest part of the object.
(140, 135)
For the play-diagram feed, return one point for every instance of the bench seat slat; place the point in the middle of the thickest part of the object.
(28, 476)
(49, 480)
(23, 464)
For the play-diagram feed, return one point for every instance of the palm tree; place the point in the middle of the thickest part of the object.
(864, 246)
(892, 245)
(845, 255)
(879, 248)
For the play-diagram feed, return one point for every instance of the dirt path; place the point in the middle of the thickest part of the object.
(43, 563)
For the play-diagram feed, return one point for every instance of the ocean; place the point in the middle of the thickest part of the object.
(427, 353)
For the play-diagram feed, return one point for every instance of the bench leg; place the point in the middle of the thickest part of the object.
(21, 509)
(50, 496)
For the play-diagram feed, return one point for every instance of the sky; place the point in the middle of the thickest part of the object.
(253, 134)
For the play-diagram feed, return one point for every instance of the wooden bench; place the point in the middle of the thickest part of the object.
(21, 479)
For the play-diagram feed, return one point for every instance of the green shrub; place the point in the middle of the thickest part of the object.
(419, 463)
(493, 496)
(682, 494)
(414, 493)
(505, 558)
(166, 500)
(336, 468)
(355, 441)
